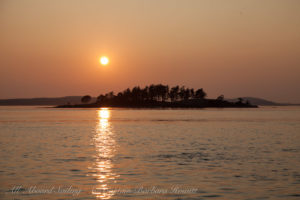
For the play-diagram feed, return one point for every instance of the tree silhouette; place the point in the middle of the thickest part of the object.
(86, 99)
(145, 93)
(159, 95)
(200, 94)
(152, 92)
(192, 93)
(220, 98)
(100, 98)
(182, 92)
(158, 92)
(187, 94)
(176, 92)
(173, 94)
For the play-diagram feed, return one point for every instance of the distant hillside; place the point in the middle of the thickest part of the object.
(258, 101)
(42, 101)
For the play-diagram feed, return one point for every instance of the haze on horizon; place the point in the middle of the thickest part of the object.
(236, 48)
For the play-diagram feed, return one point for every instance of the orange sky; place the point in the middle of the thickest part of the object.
(236, 48)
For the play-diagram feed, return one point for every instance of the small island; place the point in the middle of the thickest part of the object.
(158, 96)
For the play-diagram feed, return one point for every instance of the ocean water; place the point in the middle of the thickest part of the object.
(49, 153)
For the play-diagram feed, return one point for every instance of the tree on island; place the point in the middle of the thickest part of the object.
(153, 93)
(174, 93)
(159, 95)
(86, 99)
(200, 94)
(220, 98)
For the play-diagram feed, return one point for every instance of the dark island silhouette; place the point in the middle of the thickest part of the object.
(159, 96)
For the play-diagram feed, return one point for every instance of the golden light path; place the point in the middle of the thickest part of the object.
(105, 146)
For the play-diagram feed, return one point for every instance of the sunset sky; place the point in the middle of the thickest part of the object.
(236, 48)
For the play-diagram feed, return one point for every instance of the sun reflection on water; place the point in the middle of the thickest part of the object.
(105, 145)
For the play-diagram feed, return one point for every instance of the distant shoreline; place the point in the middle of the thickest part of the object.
(54, 101)
(194, 103)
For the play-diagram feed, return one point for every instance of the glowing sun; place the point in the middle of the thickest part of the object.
(104, 60)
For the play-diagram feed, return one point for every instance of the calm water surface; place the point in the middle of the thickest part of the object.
(51, 153)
